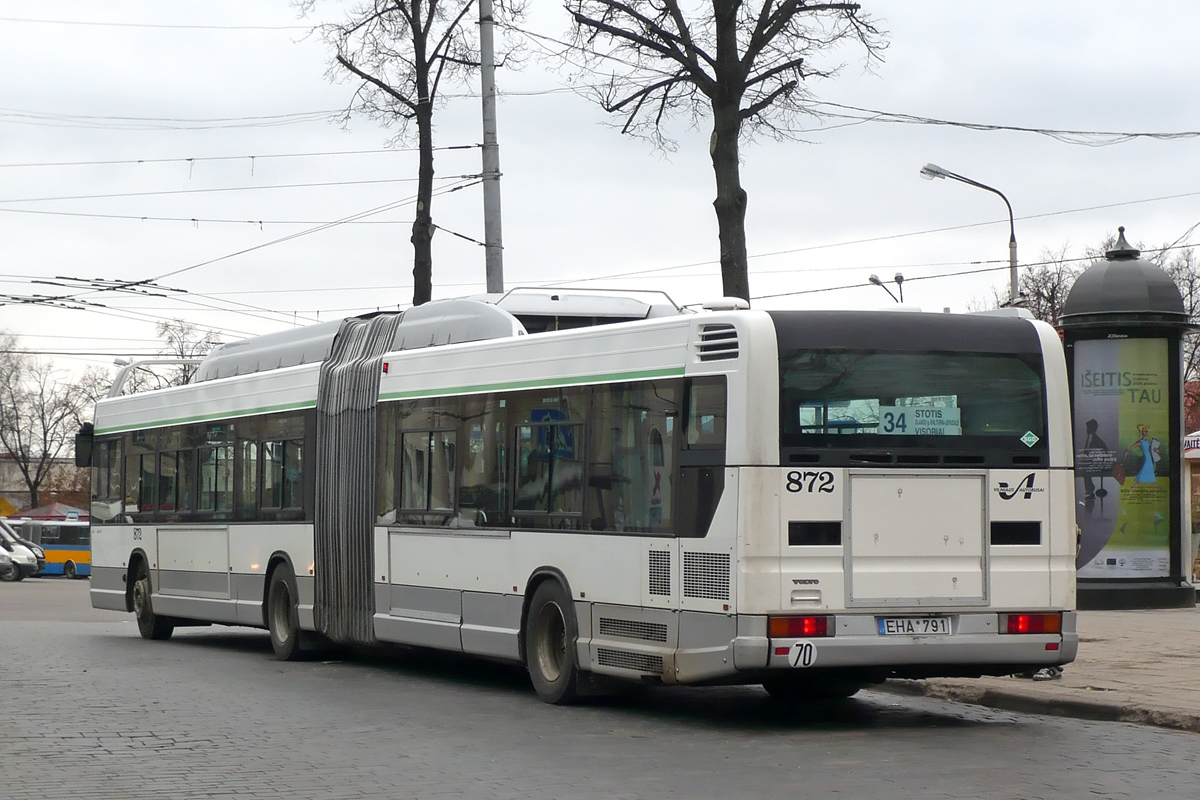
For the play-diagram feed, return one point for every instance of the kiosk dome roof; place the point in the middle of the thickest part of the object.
(1124, 284)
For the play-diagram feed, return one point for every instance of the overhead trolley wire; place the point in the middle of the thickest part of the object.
(249, 157)
(156, 26)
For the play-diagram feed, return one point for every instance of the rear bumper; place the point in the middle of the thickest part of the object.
(974, 646)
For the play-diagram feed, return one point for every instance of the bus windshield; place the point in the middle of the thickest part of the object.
(833, 398)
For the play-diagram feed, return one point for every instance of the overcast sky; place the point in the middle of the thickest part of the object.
(127, 132)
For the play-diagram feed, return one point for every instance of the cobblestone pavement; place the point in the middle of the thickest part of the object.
(91, 710)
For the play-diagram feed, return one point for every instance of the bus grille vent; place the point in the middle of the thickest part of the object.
(623, 659)
(718, 342)
(660, 572)
(633, 629)
(706, 576)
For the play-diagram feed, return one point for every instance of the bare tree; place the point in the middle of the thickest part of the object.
(1043, 288)
(92, 385)
(184, 340)
(1185, 271)
(745, 63)
(402, 51)
(39, 414)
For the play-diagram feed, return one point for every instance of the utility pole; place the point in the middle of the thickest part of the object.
(493, 247)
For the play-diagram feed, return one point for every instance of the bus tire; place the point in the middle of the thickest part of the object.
(150, 625)
(12, 574)
(69, 570)
(283, 620)
(791, 691)
(550, 635)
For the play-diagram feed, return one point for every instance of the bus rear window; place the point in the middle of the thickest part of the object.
(898, 400)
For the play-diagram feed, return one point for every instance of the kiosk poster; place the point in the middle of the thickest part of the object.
(1122, 467)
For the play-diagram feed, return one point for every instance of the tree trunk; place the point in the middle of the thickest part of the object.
(723, 148)
(422, 230)
(34, 488)
(730, 204)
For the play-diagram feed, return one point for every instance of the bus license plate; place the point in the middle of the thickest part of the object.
(914, 626)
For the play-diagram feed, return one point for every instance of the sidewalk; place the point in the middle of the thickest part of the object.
(1133, 666)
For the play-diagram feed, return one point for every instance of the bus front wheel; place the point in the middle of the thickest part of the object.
(550, 635)
(282, 618)
(150, 625)
(69, 570)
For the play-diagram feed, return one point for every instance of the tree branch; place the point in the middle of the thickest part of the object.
(756, 108)
(379, 84)
(787, 66)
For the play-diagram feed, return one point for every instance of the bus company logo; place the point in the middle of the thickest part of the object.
(806, 582)
(1025, 488)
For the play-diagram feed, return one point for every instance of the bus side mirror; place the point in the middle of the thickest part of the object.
(83, 445)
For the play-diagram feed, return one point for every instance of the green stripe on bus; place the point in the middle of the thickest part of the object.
(546, 383)
(249, 412)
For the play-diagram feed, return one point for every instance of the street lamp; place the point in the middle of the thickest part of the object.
(931, 171)
(899, 285)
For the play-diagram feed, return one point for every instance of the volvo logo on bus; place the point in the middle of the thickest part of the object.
(1025, 488)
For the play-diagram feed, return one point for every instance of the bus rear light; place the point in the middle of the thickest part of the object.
(799, 627)
(1031, 623)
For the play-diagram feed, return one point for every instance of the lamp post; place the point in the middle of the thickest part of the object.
(931, 171)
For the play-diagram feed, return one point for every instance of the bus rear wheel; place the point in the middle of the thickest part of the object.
(283, 621)
(550, 635)
(69, 570)
(150, 625)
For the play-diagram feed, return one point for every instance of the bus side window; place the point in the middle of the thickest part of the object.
(168, 484)
(706, 406)
(385, 466)
(427, 475)
(106, 480)
(283, 473)
(481, 461)
(216, 480)
(549, 474)
(247, 492)
(186, 460)
(631, 457)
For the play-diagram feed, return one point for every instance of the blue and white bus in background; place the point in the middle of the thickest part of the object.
(606, 488)
(66, 544)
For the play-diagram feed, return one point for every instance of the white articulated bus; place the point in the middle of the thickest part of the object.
(810, 500)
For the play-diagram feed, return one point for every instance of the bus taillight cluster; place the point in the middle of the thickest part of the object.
(799, 627)
(1031, 623)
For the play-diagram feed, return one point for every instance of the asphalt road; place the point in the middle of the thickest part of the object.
(91, 710)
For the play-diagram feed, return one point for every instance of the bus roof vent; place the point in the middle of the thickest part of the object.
(717, 342)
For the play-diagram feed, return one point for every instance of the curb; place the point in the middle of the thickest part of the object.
(1092, 710)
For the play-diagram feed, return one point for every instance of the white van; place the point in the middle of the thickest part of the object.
(24, 562)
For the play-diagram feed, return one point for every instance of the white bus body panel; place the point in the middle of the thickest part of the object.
(259, 393)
